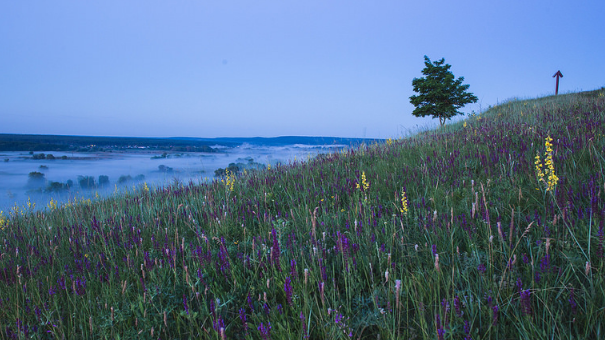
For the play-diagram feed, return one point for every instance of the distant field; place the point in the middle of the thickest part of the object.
(489, 228)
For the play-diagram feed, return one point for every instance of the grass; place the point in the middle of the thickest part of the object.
(325, 249)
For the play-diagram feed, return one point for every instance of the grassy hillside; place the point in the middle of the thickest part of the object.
(491, 228)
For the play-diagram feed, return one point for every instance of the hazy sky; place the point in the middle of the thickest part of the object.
(210, 68)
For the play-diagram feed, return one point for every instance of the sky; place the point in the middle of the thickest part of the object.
(343, 68)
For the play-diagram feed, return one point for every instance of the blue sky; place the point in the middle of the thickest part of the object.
(272, 68)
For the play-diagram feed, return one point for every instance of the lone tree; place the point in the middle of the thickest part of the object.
(439, 94)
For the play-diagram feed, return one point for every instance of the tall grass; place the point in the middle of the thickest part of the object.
(325, 249)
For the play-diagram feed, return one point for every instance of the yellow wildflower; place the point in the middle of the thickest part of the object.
(539, 172)
(3, 221)
(52, 205)
(364, 184)
(30, 205)
(404, 203)
(230, 181)
(549, 172)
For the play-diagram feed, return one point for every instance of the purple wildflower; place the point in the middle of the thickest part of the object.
(185, 304)
(242, 317)
(293, 268)
(495, 315)
(458, 306)
(218, 324)
(250, 303)
(434, 248)
(526, 301)
(288, 290)
(481, 268)
(545, 263)
(440, 330)
(519, 285)
(275, 251)
(265, 332)
(572, 302)
(305, 332)
(467, 330)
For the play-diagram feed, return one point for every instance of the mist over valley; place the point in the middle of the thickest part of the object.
(68, 168)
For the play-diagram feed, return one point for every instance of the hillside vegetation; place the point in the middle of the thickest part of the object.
(490, 228)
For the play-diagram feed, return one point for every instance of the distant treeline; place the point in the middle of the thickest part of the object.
(37, 182)
(14, 142)
(285, 140)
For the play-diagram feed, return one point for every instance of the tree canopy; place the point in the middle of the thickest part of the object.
(439, 94)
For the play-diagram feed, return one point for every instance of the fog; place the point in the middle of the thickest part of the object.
(158, 168)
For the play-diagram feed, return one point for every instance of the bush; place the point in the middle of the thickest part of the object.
(86, 182)
(124, 179)
(57, 187)
(103, 181)
(163, 168)
(35, 179)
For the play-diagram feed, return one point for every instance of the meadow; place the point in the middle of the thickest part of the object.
(489, 228)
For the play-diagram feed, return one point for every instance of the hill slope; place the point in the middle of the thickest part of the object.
(488, 228)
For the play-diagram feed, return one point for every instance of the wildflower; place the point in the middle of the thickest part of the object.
(551, 178)
(440, 330)
(404, 203)
(275, 251)
(481, 268)
(230, 180)
(265, 331)
(467, 330)
(30, 205)
(364, 183)
(457, 306)
(3, 221)
(185, 304)
(397, 290)
(250, 303)
(572, 302)
(495, 315)
(293, 272)
(52, 205)
(288, 290)
(526, 301)
(321, 291)
(242, 317)
(305, 331)
(306, 275)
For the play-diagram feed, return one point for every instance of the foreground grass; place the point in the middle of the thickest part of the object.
(448, 234)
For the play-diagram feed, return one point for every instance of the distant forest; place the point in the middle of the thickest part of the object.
(13, 142)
